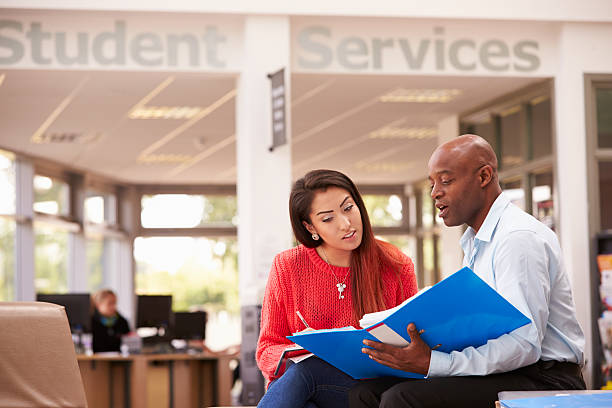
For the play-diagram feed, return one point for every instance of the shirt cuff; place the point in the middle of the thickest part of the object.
(439, 364)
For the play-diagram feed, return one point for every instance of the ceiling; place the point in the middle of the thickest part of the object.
(93, 121)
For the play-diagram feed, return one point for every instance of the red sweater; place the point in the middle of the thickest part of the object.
(301, 280)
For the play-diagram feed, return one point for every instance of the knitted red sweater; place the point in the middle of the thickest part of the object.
(301, 280)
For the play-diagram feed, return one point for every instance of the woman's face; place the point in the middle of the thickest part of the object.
(107, 306)
(336, 218)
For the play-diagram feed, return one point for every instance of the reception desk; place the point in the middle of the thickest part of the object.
(156, 380)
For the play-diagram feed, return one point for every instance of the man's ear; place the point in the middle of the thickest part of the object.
(485, 175)
(309, 227)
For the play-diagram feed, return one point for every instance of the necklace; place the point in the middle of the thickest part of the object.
(340, 285)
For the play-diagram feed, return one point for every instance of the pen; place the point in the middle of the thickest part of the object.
(297, 312)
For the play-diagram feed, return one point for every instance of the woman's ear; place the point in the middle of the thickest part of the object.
(309, 227)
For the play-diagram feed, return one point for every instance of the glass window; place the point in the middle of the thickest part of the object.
(406, 243)
(513, 145)
(7, 259)
(50, 259)
(542, 198)
(94, 208)
(188, 211)
(514, 191)
(604, 118)
(384, 210)
(429, 261)
(605, 194)
(427, 206)
(202, 273)
(486, 130)
(541, 127)
(94, 251)
(7, 183)
(51, 196)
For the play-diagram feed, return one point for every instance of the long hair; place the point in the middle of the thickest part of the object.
(368, 260)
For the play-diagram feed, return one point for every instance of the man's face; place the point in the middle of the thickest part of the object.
(455, 188)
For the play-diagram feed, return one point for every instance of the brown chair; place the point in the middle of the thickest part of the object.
(38, 365)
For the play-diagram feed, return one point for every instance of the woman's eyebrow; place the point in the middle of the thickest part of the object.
(344, 201)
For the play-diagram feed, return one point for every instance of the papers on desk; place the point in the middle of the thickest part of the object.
(569, 399)
(458, 312)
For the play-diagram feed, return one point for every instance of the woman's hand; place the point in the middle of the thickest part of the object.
(308, 329)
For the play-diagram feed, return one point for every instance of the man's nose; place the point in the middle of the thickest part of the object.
(435, 192)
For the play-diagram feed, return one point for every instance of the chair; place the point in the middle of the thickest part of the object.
(38, 365)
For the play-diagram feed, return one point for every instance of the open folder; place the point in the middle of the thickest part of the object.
(457, 312)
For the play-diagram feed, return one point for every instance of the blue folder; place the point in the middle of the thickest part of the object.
(457, 312)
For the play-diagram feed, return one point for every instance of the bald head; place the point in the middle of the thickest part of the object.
(463, 176)
(471, 150)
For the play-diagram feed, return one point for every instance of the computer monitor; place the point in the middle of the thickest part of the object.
(190, 325)
(154, 311)
(78, 308)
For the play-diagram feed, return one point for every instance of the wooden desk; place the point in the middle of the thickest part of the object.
(156, 380)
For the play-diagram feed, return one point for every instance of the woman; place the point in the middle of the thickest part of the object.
(337, 274)
(107, 324)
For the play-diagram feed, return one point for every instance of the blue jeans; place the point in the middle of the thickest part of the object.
(312, 383)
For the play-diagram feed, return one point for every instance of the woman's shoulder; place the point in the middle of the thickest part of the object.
(292, 256)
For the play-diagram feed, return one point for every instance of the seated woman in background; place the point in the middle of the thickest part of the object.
(107, 324)
(337, 274)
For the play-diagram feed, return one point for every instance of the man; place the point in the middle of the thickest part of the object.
(521, 259)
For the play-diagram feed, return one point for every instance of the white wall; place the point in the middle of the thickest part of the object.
(546, 10)
(583, 49)
(263, 177)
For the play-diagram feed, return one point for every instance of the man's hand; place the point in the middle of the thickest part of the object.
(414, 357)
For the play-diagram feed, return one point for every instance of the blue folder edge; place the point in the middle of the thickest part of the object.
(457, 312)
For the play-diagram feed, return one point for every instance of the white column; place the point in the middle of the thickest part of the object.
(451, 255)
(120, 276)
(572, 203)
(24, 232)
(77, 256)
(263, 177)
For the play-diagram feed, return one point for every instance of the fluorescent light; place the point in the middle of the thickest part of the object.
(393, 132)
(390, 167)
(164, 158)
(164, 112)
(420, 95)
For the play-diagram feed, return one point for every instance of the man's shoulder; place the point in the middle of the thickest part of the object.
(516, 224)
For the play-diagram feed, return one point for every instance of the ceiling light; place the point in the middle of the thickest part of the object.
(67, 137)
(389, 167)
(420, 95)
(164, 112)
(164, 158)
(393, 132)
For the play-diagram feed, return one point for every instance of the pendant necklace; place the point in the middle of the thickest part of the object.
(340, 285)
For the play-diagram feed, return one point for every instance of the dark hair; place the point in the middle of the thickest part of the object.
(368, 260)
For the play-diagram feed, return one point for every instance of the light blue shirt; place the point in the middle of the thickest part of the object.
(520, 258)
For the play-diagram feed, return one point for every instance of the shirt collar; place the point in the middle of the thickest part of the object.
(485, 233)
